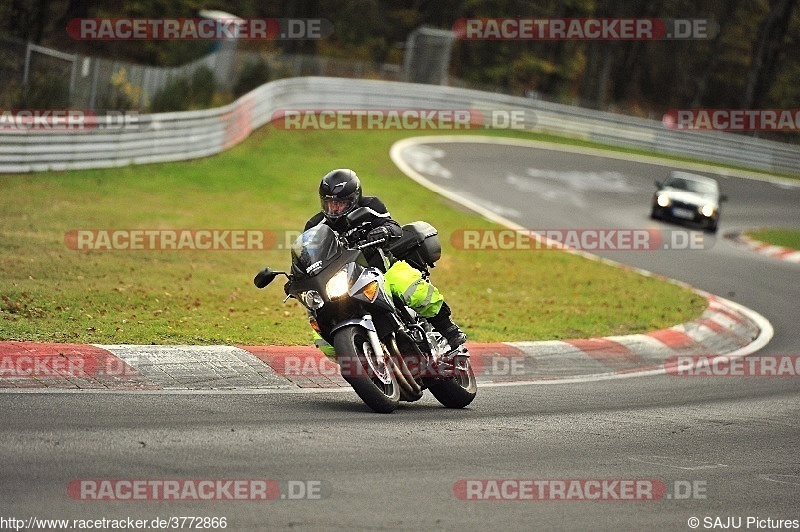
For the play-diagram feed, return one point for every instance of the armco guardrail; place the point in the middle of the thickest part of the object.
(186, 135)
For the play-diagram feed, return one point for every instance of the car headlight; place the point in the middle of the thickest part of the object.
(663, 200)
(337, 285)
(707, 211)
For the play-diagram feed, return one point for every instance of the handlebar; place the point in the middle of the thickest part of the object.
(370, 243)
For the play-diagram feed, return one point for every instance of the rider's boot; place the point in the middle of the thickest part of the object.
(445, 326)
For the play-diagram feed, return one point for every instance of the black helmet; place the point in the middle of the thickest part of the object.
(339, 193)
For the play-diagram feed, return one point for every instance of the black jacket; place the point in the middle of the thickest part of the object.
(380, 217)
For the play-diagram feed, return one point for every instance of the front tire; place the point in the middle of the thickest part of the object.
(367, 372)
(457, 391)
(655, 213)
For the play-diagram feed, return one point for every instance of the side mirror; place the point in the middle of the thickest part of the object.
(723, 197)
(264, 277)
(359, 215)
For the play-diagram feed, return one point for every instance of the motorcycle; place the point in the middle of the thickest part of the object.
(384, 349)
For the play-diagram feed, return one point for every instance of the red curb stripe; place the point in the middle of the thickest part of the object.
(280, 351)
(37, 365)
(674, 339)
(480, 355)
(738, 318)
(722, 330)
(303, 365)
(494, 349)
(769, 250)
(607, 352)
(714, 326)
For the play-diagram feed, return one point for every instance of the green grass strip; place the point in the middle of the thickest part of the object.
(788, 238)
(51, 293)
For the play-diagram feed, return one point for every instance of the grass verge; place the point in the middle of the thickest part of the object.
(51, 293)
(788, 238)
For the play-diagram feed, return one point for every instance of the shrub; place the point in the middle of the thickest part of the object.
(203, 85)
(174, 96)
(255, 73)
(124, 94)
(182, 94)
(46, 90)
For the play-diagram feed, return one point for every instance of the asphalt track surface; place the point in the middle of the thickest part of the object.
(733, 440)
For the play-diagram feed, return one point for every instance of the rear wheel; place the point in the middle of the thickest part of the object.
(369, 373)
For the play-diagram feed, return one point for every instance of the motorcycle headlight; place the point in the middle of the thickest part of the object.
(313, 299)
(707, 211)
(337, 285)
(663, 200)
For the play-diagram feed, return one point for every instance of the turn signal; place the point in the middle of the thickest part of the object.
(371, 290)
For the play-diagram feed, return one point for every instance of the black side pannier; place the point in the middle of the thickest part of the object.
(419, 245)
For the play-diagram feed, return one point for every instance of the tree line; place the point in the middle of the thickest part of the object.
(751, 63)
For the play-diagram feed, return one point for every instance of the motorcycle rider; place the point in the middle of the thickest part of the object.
(340, 193)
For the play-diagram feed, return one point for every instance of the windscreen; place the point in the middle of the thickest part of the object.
(314, 248)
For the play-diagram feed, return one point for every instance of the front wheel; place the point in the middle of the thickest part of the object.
(457, 391)
(366, 371)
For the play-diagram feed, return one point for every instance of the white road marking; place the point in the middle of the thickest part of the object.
(669, 461)
(794, 480)
(546, 191)
(423, 159)
(591, 181)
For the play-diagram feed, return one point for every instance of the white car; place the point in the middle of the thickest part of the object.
(688, 198)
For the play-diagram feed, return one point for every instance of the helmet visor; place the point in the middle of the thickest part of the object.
(334, 206)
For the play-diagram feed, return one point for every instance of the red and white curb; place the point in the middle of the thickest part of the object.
(724, 328)
(776, 252)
